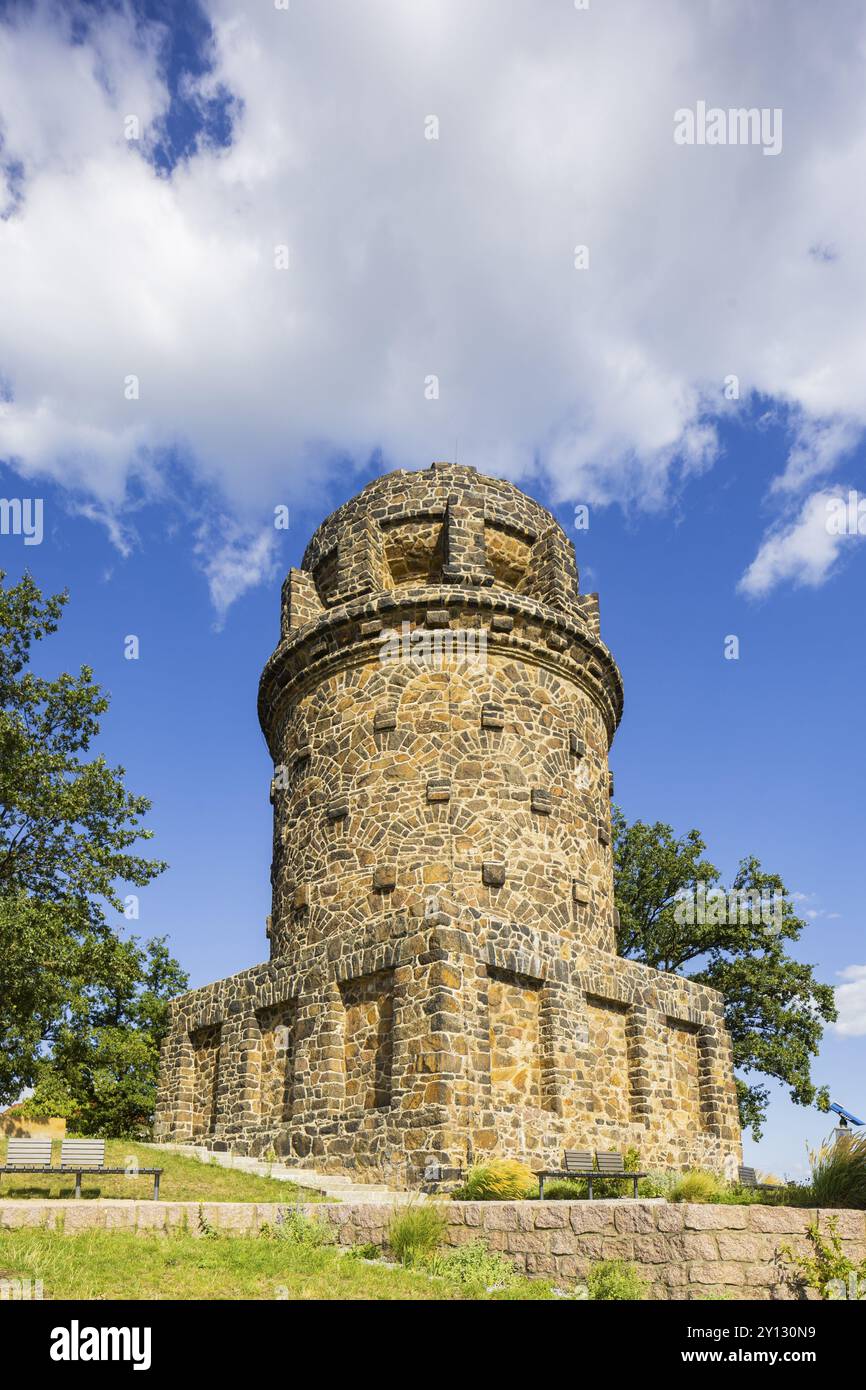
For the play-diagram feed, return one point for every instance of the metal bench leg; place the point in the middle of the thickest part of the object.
(78, 1184)
(589, 1180)
(156, 1187)
(541, 1189)
(635, 1189)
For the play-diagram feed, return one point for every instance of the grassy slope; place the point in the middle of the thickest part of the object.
(184, 1179)
(116, 1264)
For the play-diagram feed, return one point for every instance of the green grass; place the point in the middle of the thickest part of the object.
(839, 1173)
(184, 1179)
(118, 1264)
(416, 1232)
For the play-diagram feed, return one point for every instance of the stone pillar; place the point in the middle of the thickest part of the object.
(719, 1112)
(465, 548)
(579, 1088)
(174, 1111)
(300, 603)
(246, 1108)
(562, 1028)
(433, 1044)
(319, 1062)
(555, 569)
(360, 560)
(640, 1071)
(230, 1071)
(649, 1047)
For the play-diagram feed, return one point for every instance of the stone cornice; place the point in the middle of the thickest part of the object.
(541, 635)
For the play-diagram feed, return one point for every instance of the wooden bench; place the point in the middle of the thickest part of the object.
(28, 1156)
(77, 1156)
(749, 1178)
(578, 1164)
(88, 1156)
(612, 1165)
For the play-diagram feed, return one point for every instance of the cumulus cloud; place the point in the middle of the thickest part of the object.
(803, 551)
(411, 258)
(817, 447)
(851, 1001)
(234, 559)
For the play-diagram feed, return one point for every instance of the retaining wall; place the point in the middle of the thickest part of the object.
(684, 1251)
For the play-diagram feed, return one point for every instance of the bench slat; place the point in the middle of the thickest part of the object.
(82, 1153)
(610, 1163)
(28, 1151)
(578, 1161)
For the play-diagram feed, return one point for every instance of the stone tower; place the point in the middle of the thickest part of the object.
(443, 983)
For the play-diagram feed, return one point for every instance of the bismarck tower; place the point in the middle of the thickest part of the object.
(443, 984)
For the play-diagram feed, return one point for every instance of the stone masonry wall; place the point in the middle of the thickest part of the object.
(443, 983)
(687, 1251)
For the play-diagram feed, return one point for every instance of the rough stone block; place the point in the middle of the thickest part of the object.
(700, 1217)
(784, 1220)
(493, 873)
(492, 717)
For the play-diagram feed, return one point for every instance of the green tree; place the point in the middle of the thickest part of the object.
(103, 1068)
(67, 828)
(775, 1008)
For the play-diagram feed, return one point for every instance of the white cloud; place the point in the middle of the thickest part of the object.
(234, 561)
(454, 257)
(802, 551)
(818, 446)
(851, 1002)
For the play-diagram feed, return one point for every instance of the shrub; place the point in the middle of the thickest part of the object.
(737, 1196)
(614, 1280)
(657, 1184)
(839, 1173)
(698, 1186)
(473, 1264)
(415, 1232)
(297, 1229)
(566, 1190)
(502, 1180)
(828, 1269)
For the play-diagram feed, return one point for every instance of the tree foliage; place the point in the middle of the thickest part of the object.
(68, 827)
(103, 1068)
(775, 1008)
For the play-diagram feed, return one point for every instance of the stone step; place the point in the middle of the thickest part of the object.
(336, 1185)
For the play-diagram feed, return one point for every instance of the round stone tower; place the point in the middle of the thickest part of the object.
(443, 983)
(439, 711)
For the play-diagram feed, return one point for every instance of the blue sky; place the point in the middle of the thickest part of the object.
(454, 257)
